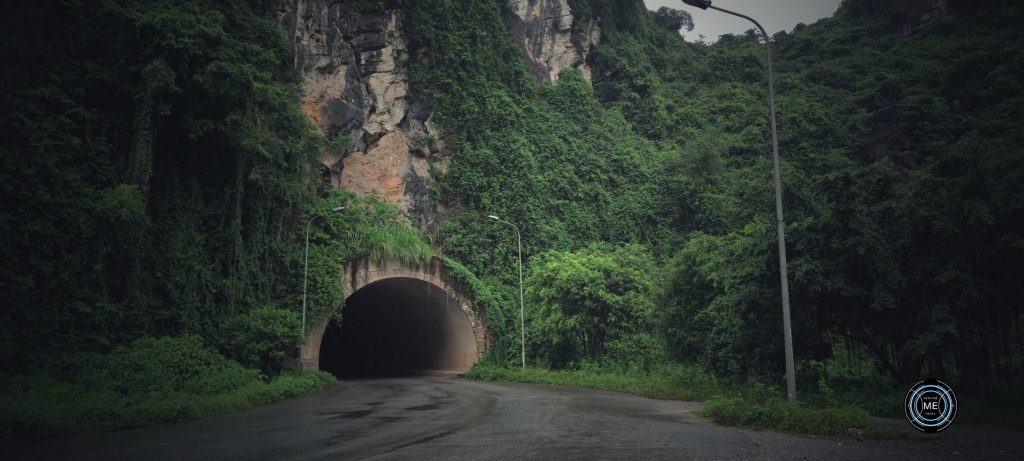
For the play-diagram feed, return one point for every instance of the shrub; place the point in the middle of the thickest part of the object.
(636, 352)
(587, 299)
(165, 365)
(156, 380)
(261, 338)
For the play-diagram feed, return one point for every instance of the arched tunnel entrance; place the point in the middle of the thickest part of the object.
(396, 326)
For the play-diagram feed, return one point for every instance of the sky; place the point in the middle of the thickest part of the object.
(774, 15)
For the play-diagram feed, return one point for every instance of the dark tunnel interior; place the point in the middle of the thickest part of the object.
(398, 326)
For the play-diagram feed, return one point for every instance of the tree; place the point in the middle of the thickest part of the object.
(582, 300)
(672, 19)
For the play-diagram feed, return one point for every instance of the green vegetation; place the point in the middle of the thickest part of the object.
(668, 382)
(154, 162)
(902, 181)
(153, 381)
(260, 338)
(367, 227)
(593, 304)
(158, 179)
(774, 412)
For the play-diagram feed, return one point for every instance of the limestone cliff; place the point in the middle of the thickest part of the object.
(924, 13)
(543, 31)
(907, 16)
(355, 85)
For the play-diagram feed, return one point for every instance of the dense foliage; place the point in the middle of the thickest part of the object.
(154, 167)
(901, 169)
(158, 179)
(588, 303)
(567, 170)
(261, 338)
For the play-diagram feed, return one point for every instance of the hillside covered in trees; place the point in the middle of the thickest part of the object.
(158, 175)
(902, 185)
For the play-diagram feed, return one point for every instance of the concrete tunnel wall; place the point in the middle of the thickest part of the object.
(417, 320)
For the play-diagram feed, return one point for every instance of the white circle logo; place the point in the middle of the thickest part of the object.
(931, 406)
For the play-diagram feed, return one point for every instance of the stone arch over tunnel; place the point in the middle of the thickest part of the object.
(397, 319)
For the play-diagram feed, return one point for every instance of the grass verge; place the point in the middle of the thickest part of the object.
(673, 382)
(777, 414)
(751, 405)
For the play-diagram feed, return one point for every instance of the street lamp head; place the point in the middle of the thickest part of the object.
(493, 217)
(702, 4)
(338, 208)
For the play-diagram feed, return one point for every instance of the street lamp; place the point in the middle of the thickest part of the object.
(305, 279)
(786, 325)
(522, 322)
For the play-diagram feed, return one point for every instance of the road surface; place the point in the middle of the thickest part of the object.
(449, 418)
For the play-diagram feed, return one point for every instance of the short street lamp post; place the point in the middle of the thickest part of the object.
(786, 325)
(305, 280)
(522, 322)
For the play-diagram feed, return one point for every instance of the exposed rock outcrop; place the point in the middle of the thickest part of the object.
(924, 13)
(543, 31)
(356, 85)
(907, 16)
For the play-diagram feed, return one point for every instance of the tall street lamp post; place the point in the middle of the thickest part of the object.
(305, 281)
(522, 322)
(786, 325)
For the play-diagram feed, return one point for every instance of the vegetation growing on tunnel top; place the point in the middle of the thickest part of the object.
(498, 309)
(483, 300)
(367, 228)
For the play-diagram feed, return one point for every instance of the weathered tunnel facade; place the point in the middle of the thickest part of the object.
(397, 320)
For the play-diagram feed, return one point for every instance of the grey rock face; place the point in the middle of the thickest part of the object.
(355, 84)
(543, 31)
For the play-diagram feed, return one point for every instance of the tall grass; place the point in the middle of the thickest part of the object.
(373, 228)
(396, 241)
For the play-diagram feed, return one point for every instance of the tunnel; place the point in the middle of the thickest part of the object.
(398, 326)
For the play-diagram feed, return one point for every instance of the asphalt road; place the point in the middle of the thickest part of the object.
(448, 418)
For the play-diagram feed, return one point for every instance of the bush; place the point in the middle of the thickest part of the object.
(156, 380)
(587, 299)
(261, 338)
(639, 352)
(167, 365)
